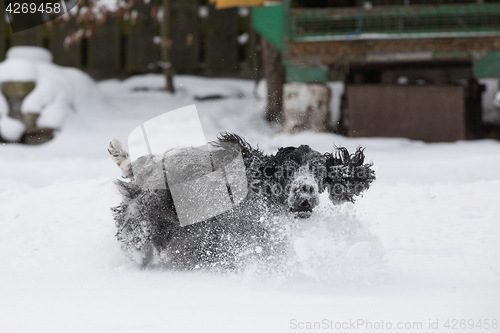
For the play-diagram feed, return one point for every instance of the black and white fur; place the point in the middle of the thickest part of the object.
(288, 182)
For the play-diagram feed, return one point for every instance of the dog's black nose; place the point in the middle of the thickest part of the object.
(305, 204)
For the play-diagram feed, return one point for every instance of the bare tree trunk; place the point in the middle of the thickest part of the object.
(274, 72)
(166, 46)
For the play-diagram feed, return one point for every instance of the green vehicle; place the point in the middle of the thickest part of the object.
(410, 67)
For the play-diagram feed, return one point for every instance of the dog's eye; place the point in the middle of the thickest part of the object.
(269, 171)
(307, 189)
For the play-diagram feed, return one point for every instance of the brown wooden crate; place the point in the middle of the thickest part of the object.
(428, 113)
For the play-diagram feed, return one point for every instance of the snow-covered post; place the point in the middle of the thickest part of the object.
(274, 72)
(306, 106)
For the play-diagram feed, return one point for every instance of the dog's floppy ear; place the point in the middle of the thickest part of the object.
(347, 175)
(247, 151)
(129, 190)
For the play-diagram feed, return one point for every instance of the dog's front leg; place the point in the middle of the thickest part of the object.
(121, 158)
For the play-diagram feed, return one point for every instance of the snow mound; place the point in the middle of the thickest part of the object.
(332, 246)
(20, 70)
(4, 106)
(496, 104)
(32, 53)
(58, 89)
(11, 129)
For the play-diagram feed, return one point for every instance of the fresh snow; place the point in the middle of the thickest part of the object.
(12, 129)
(434, 208)
(33, 53)
(21, 70)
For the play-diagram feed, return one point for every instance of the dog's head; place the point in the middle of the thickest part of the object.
(294, 177)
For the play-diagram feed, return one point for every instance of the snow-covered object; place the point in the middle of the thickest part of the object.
(4, 107)
(20, 70)
(11, 129)
(261, 90)
(243, 38)
(496, 101)
(32, 53)
(306, 106)
(496, 105)
(58, 89)
(203, 11)
(337, 89)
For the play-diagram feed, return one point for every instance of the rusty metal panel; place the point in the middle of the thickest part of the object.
(389, 50)
(428, 113)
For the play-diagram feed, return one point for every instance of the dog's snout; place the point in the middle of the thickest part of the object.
(305, 204)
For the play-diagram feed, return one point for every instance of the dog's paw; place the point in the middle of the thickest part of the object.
(116, 151)
(120, 157)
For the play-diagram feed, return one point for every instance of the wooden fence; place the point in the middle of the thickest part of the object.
(205, 41)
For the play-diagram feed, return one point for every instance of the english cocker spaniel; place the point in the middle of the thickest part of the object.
(151, 220)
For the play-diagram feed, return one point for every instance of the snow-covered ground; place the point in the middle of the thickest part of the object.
(434, 206)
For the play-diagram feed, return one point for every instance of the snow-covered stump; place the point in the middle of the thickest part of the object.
(306, 107)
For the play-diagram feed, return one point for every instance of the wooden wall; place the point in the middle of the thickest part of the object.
(429, 113)
(202, 44)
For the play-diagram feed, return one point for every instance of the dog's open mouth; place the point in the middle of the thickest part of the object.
(302, 210)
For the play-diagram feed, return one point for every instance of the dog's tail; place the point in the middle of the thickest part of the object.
(121, 158)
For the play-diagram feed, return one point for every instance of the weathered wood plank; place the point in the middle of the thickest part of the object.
(185, 33)
(140, 49)
(65, 54)
(407, 111)
(30, 37)
(2, 31)
(104, 47)
(222, 45)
